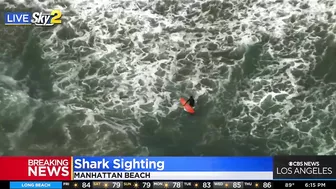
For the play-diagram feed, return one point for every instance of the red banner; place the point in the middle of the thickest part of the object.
(35, 168)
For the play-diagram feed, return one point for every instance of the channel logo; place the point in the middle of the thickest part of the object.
(36, 18)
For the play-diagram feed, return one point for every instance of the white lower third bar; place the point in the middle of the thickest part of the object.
(79, 175)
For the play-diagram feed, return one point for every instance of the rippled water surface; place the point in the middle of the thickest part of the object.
(108, 79)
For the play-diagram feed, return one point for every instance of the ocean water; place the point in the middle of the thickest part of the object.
(107, 81)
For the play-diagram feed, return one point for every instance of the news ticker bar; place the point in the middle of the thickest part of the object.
(167, 184)
(167, 168)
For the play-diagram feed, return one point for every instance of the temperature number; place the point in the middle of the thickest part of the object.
(206, 184)
(289, 185)
(116, 185)
(86, 185)
(267, 185)
(176, 185)
(146, 185)
(236, 185)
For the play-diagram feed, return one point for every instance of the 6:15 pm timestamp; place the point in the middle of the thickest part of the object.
(315, 185)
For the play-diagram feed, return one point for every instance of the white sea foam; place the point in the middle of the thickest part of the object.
(132, 63)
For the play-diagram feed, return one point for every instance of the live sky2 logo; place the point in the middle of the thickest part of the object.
(36, 18)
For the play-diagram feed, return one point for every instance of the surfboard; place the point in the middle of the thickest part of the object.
(187, 107)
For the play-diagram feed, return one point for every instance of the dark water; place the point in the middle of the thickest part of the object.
(74, 96)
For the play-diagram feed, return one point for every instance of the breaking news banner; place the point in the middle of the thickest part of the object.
(172, 168)
(167, 172)
(136, 168)
(304, 167)
(35, 168)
